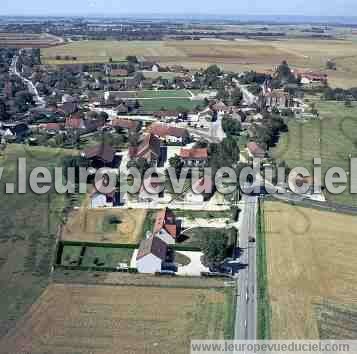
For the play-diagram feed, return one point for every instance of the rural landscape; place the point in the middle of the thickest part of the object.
(84, 269)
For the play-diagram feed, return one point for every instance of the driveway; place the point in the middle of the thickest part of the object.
(195, 267)
(133, 259)
(218, 223)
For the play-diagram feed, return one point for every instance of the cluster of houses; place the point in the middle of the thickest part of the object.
(152, 147)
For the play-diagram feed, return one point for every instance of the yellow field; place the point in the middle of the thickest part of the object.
(231, 55)
(110, 320)
(88, 225)
(312, 260)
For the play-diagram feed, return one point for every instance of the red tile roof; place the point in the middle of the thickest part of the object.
(166, 219)
(194, 154)
(162, 130)
(150, 144)
(255, 149)
(152, 245)
(119, 72)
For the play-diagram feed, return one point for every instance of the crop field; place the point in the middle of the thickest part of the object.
(124, 319)
(333, 138)
(312, 272)
(28, 225)
(235, 55)
(24, 40)
(105, 225)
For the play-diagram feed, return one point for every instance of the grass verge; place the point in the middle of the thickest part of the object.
(264, 310)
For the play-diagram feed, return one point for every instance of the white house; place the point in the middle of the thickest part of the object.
(110, 200)
(151, 254)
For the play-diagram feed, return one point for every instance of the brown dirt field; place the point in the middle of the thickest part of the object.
(238, 55)
(86, 224)
(70, 319)
(312, 258)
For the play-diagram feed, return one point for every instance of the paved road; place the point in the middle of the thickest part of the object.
(40, 101)
(246, 315)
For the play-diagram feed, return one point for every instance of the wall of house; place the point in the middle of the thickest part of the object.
(149, 264)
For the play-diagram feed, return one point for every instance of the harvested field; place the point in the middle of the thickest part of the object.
(26, 40)
(236, 55)
(110, 320)
(225, 52)
(93, 225)
(312, 272)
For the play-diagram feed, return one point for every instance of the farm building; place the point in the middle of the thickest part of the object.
(149, 149)
(194, 157)
(151, 254)
(170, 134)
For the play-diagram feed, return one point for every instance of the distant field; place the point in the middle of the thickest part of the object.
(332, 138)
(28, 225)
(123, 319)
(312, 272)
(236, 55)
(156, 94)
(93, 225)
(24, 40)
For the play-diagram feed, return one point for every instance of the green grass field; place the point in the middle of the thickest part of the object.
(156, 94)
(171, 104)
(28, 225)
(333, 138)
(105, 256)
(163, 94)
